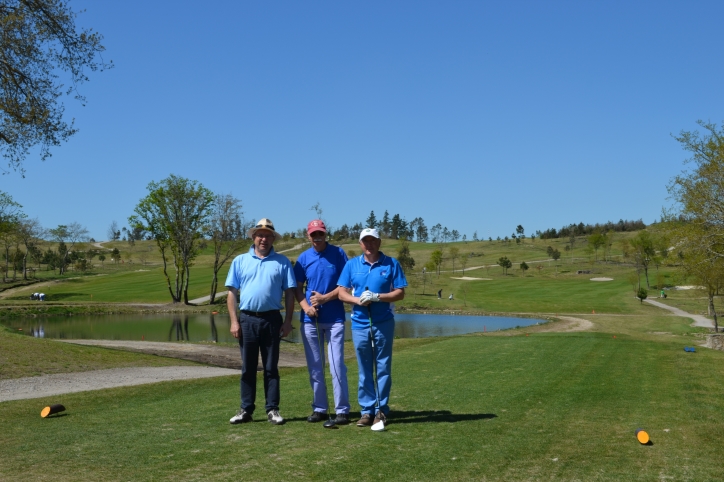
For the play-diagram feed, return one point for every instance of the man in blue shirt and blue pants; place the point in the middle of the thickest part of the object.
(323, 319)
(372, 282)
(258, 280)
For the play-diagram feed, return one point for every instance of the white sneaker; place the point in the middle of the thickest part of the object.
(241, 417)
(274, 417)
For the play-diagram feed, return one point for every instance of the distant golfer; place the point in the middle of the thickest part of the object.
(323, 320)
(450, 297)
(439, 295)
(258, 279)
(375, 281)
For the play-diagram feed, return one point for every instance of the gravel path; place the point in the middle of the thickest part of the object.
(51, 385)
(699, 320)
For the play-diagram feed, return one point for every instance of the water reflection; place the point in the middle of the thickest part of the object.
(203, 327)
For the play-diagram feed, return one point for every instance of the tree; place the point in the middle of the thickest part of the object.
(29, 233)
(436, 260)
(10, 216)
(385, 224)
(403, 256)
(642, 294)
(475, 236)
(226, 229)
(643, 251)
(454, 253)
(520, 231)
(596, 241)
(464, 258)
(700, 192)
(101, 258)
(417, 226)
(524, 266)
(115, 255)
(436, 233)
(176, 213)
(72, 234)
(113, 233)
(505, 263)
(371, 220)
(556, 255)
(38, 42)
(697, 261)
(454, 235)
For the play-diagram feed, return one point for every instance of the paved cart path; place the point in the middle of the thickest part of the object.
(699, 320)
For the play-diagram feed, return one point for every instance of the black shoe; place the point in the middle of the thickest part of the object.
(341, 419)
(316, 417)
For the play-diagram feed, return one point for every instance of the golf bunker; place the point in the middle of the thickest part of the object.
(601, 279)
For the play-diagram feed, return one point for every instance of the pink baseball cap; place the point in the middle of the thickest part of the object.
(316, 225)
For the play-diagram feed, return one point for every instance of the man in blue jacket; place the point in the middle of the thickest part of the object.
(372, 282)
(323, 319)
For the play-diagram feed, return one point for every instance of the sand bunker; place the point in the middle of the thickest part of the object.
(688, 288)
(468, 278)
(601, 279)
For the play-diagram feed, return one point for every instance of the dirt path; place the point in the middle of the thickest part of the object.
(53, 385)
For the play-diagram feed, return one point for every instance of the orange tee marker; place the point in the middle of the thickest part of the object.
(642, 436)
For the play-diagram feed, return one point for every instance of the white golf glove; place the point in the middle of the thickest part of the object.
(369, 296)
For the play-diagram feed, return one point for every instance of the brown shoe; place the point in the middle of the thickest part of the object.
(365, 420)
(380, 417)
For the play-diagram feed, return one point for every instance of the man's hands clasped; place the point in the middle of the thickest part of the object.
(368, 297)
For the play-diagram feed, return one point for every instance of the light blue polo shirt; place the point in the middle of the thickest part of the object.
(261, 281)
(381, 277)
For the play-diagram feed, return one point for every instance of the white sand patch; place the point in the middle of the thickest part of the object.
(601, 279)
(688, 287)
(468, 278)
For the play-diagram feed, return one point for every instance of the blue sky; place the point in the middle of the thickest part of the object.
(476, 115)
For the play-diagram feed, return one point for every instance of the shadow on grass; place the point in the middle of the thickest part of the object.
(421, 416)
(425, 416)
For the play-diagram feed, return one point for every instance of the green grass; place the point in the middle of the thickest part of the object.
(544, 406)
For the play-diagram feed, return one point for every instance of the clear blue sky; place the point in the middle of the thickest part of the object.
(477, 115)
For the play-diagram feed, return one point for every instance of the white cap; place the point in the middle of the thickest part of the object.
(369, 232)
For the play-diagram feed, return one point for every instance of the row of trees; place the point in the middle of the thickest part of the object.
(581, 229)
(397, 227)
(22, 240)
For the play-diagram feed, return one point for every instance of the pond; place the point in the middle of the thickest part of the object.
(215, 328)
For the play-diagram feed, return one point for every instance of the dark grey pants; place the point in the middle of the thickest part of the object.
(260, 332)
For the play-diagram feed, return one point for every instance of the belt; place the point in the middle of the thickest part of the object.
(259, 314)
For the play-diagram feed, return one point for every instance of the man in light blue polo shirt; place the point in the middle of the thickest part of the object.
(323, 318)
(372, 282)
(258, 280)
